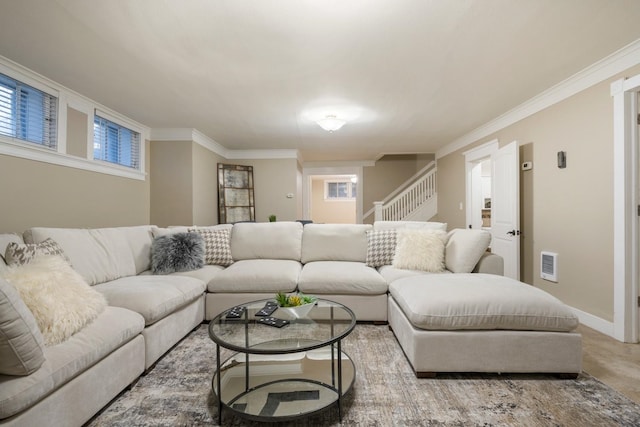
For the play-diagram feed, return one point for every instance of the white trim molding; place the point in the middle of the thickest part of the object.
(606, 68)
(625, 205)
(189, 134)
(594, 322)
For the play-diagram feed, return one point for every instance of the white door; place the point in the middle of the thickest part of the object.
(505, 208)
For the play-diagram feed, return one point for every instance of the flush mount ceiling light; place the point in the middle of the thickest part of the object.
(331, 123)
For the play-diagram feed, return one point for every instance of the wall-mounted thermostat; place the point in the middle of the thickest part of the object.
(527, 166)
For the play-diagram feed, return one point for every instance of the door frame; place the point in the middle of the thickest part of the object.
(308, 172)
(626, 241)
(472, 157)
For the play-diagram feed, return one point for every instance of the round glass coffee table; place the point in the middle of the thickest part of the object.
(279, 374)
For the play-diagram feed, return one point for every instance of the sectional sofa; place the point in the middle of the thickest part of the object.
(148, 313)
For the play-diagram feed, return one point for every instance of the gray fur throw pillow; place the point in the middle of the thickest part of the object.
(177, 252)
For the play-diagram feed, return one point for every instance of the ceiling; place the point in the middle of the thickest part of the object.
(408, 76)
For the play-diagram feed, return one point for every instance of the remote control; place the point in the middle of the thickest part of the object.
(235, 312)
(272, 321)
(268, 309)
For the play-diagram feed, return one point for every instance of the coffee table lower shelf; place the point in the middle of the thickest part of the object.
(284, 386)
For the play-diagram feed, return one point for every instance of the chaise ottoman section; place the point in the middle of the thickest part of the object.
(482, 323)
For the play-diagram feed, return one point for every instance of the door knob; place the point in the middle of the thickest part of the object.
(513, 233)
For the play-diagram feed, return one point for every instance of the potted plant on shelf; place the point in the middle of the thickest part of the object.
(272, 218)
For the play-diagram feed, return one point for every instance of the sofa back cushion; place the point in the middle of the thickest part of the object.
(101, 254)
(335, 242)
(465, 248)
(414, 225)
(21, 342)
(266, 240)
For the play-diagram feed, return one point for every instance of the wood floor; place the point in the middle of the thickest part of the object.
(614, 363)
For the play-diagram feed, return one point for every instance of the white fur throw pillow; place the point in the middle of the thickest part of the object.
(59, 298)
(420, 250)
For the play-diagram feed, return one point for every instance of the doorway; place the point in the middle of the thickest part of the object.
(333, 199)
(338, 190)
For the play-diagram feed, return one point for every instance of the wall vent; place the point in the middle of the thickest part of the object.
(549, 266)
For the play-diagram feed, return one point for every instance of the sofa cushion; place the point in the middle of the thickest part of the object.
(464, 249)
(266, 240)
(381, 247)
(479, 301)
(414, 225)
(341, 277)
(391, 273)
(420, 250)
(257, 275)
(59, 298)
(217, 245)
(21, 343)
(109, 331)
(24, 253)
(177, 252)
(139, 239)
(335, 242)
(99, 255)
(154, 297)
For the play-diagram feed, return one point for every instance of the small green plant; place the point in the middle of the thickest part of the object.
(285, 300)
(272, 218)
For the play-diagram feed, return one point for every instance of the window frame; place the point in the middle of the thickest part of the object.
(67, 98)
(351, 187)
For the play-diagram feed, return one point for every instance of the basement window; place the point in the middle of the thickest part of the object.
(339, 190)
(27, 114)
(115, 143)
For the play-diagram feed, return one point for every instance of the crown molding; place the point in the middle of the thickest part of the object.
(340, 164)
(194, 135)
(608, 67)
(262, 154)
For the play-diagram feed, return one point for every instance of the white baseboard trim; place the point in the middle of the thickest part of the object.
(594, 322)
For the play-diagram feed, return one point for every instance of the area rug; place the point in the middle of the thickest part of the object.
(177, 392)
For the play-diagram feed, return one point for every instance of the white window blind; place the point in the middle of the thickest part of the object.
(27, 113)
(115, 143)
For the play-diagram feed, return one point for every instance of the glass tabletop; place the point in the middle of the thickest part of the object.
(326, 323)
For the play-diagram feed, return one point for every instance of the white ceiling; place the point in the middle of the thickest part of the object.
(409, 75)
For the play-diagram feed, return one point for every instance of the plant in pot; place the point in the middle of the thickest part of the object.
(272, 218)
(297, 305)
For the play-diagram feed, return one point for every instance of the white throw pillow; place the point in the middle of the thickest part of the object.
(59, 298)
(420, 250)
(465, 248)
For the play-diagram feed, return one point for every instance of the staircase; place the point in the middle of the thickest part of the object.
(415, 201)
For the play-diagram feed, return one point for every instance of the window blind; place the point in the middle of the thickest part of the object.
(115, 143)
(27, 113)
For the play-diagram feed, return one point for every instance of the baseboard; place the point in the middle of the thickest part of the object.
(594, 322)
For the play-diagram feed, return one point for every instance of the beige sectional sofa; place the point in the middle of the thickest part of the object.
(147, 314)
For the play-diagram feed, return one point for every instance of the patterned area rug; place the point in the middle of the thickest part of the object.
(386, 393)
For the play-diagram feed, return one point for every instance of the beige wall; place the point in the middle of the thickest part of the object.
(171, 183)
(333, 211)
(205, 185)
(568, 211)
(273, 180)
(46, 195)
(77, 133)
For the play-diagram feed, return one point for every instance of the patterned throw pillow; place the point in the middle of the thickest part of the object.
(381, 247)
(24, 253)
(217, 243)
